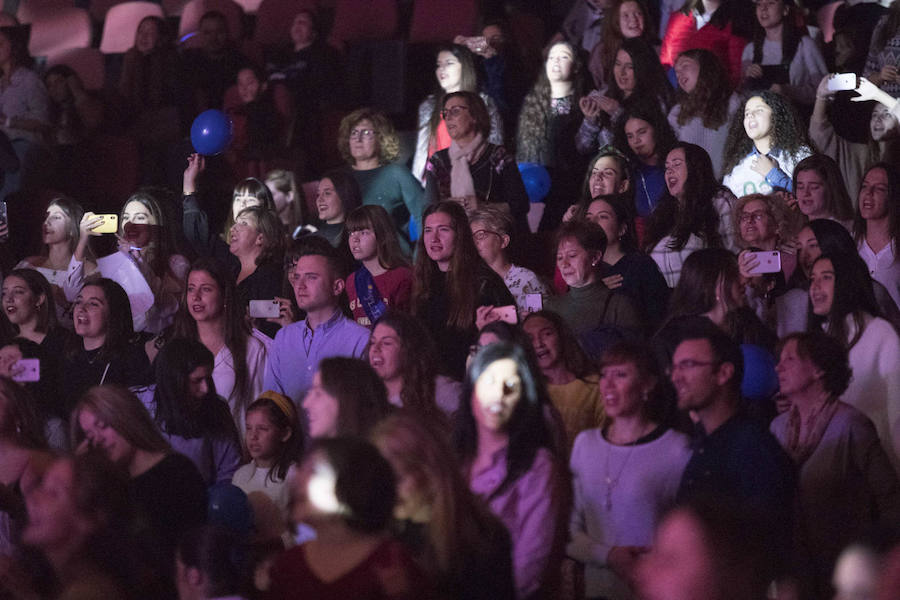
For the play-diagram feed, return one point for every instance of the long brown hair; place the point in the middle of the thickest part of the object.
(468, 82)
(376, 218)
(237, 332)
(710, 99)
(463, 265)
(118, 408)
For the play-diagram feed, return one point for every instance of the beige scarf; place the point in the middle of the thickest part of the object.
(461, 157)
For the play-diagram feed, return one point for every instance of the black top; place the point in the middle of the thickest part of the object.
(263, 284)
(643, 282)
(83, 369)
(46, 391)
(452, 342)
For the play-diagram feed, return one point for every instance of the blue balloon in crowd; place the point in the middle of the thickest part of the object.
(536, 180)
(229, 507)
(211, 132)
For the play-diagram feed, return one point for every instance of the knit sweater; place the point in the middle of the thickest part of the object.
(889, 55)
(712, 140)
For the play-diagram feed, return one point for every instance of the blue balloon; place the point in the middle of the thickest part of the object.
(229, 507)
(211, 132)
(536, 180)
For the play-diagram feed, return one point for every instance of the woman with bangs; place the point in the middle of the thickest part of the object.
(455, 71)
(624, 473)
(820, 190)
(703, 106)
(384, 279)
(213, 315)
(687, 218)
(452, 283)
(765, 142)
(459, 543)
(635, 76)
(62, 236)
(369, 144)
(626, 19)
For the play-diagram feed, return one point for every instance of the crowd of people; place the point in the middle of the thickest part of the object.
(675, 375)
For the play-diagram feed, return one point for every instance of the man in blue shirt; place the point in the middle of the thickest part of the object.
(314, 274)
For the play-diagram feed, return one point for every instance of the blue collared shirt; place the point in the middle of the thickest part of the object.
(295, 354)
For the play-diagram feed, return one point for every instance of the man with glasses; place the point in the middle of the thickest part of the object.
(735, 458)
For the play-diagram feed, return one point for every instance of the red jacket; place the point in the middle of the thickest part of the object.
(682, 34)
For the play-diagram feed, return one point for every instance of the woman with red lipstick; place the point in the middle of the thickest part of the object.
(624, 473)
(841, 303)
(451, 283)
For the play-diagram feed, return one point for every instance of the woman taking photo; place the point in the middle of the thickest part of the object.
(104, 348)
(569, 374)
(765, 142)
(589, 304)
(368, 143)
(547, 124)
(765, 223)
(703, 107)
(502, 442)
(624, 473)
(403, 354)
(624, 266)
(61, 235)
(455, 72)
(690, 216)
(189, 413)
(460, 544)
(257, 241)
(164, 487)
(384, 278)
(820, 190)
(847, 485)
(842, 304)
(212, 315)
(447, 271)
(636, 77)
(347, 398)
(473, 171)
(877, 225)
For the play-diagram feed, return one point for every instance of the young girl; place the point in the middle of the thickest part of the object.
(274, 442)
(820, 190)
(384, 280)
(765, 143)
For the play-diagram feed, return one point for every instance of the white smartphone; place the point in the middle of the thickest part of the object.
(30, 370)
(842, 81)
(265, 309)
(533, 303)
(506, 313)
(769, 262)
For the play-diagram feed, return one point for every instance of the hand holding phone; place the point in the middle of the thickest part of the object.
(842, 81)
(265, 309)
(26, 370)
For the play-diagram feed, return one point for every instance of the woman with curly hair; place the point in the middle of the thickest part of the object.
(782, 57)
(547, 124)
(369, 144)
(723, 28)
(646, 138)
(473, 171)
(820, 190)
(635, 76)
(687, 218)
(625, 20)
(766, 222)
(703, 107)
(455, 71)
(451, 282)
(765, 142)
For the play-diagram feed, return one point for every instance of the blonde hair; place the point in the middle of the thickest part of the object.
(118, 408)
(788, 223)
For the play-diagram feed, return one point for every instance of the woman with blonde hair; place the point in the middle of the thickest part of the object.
(369, 144)
(461, 546)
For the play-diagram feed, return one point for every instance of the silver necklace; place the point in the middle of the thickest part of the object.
(612, 482)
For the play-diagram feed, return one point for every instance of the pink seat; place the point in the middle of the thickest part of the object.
(87, 62)
(358, 20)
(59, 29)
(274, 19)
(194, 10)
(250, 6)
(435, 21)
(121, 24)
(99, 8)
(28, 10)
(825, 19)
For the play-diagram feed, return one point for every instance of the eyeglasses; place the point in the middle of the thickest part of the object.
(482, 234)
(362, 134)
(690, 364)
(756, 216)
(453, 111)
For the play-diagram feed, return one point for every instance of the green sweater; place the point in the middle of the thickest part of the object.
(583, 308)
